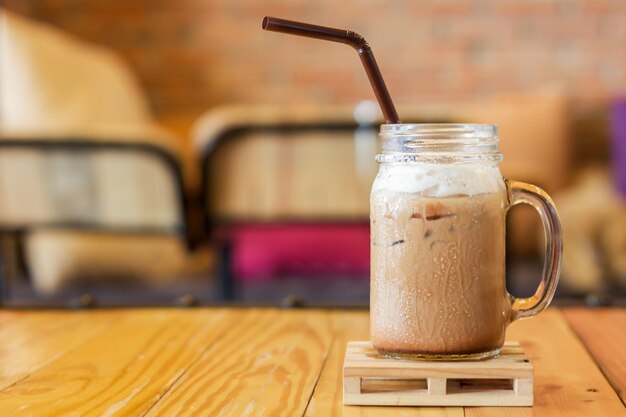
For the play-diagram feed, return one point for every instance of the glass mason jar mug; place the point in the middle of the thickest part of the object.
(438, 212)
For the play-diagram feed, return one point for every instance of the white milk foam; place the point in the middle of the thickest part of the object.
(434, 180)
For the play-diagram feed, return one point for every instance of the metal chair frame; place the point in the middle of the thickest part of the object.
(83, 145)
(212, 223)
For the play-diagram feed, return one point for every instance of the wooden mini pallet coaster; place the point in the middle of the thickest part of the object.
(371, 379)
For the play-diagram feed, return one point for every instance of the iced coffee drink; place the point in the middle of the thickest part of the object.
(437, 261)
(437, 213)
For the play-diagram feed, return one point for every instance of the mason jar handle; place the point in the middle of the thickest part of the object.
(520, 192)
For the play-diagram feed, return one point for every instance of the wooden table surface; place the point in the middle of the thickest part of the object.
(268, 362)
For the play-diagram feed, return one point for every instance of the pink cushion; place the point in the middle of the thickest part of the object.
(263, 252)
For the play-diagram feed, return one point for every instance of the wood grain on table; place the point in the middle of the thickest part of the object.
(603, 332)
(257, 362)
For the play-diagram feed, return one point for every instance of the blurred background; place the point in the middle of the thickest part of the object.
(171, 152)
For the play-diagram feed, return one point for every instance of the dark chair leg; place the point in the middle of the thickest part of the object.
(2, 279)
(226, 272)
(8, 264)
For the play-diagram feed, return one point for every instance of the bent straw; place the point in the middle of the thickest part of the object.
(348, 37)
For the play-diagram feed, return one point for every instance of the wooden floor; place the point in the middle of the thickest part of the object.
(268, 362)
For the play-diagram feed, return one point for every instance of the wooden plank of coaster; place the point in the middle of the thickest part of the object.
(124, 369)
(30, 340)
(508, 365)
(267, 366)
(603, 332)
(567, 381)
(327, 400)
(383, 381)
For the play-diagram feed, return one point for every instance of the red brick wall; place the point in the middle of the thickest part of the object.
(191, 54)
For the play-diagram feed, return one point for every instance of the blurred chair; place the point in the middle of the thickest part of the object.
(89, 185)
(86, 208)
(287, 188)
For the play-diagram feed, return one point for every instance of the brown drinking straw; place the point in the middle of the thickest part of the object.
(348, 37)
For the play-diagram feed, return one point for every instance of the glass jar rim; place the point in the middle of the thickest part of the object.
(439, 143)
(442, 131)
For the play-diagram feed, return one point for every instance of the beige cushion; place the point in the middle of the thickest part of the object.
(264, 175)
(55, 86)
(49, 80)
(58, 258)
